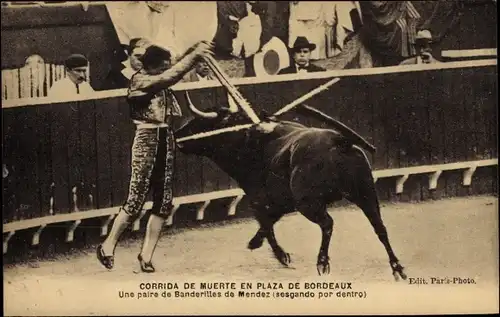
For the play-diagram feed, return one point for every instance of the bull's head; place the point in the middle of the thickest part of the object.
(213, 119)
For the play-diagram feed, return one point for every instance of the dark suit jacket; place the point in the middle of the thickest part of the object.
(293, 69)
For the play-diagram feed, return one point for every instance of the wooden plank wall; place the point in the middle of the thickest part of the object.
(32, 80)
(70, 156)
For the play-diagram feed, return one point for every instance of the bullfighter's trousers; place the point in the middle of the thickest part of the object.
(152, 168)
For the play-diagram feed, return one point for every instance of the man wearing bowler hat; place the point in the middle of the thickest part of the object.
(301, 54)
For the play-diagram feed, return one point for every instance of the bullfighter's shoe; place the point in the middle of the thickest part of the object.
(146, 267)
(106, 260)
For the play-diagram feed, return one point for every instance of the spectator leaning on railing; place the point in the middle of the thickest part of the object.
(75, 82)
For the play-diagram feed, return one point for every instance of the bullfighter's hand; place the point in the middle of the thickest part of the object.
(204, 48)
(266, 127)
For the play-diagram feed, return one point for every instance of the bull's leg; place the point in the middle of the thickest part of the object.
(366, 199)
(267, 217)
(316, 212)
(257, 240)
(279, 253)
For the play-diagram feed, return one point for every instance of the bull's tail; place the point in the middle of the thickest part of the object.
(354, 146)
(348, 144)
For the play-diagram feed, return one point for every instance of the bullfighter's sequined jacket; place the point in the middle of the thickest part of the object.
(150, 99)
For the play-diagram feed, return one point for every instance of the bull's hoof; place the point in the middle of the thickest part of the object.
(283, 257)
(255, 243)
(323, 265)
(398, 271)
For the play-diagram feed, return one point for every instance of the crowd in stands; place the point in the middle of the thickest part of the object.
(266, 38)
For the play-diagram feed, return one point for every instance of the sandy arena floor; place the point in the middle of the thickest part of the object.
(446, 238)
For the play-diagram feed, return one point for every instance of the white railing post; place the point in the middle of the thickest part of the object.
(434, 178)
(200, 213)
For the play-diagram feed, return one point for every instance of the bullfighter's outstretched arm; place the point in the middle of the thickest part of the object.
(175, 73)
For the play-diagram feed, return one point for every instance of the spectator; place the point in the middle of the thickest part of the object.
(229, 13)
(423, 42)
(307, 18)
(75, 82)
(301, 53)
(119, 75)
(135, 51)
(201, 72)
(36, 66)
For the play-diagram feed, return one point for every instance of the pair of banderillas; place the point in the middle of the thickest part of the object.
(245, 105)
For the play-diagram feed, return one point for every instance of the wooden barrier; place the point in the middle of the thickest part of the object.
(70, 159)
(108, 214)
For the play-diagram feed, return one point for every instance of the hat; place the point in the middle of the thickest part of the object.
(138, 42)
(423, 35)
(272, 58)
(76, 60)
(303, 42)
(154, 55)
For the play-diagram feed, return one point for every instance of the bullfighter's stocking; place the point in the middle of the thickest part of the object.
(153, 231)
(121, 222)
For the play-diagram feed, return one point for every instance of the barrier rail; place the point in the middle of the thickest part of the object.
(75, 218)
(246, 81)
(483, 52)
(69, 160)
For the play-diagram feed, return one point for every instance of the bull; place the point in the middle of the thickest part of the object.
(284, 167)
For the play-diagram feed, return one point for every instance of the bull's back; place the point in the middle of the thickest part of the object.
(300, 156)
(320, 164)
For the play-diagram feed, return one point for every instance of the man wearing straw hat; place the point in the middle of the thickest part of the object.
(423, 42)
(152, 107)
(75, 82)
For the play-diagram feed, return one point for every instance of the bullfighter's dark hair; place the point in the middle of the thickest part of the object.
(154, 56)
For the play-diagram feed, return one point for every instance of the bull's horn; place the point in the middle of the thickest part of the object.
(208, 115)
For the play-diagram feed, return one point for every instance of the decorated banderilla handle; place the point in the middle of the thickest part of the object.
(310, 94)
(233, 91)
